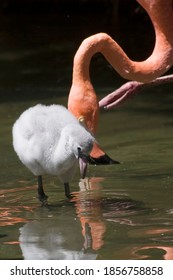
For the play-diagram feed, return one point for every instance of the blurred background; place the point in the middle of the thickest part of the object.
(38, 40)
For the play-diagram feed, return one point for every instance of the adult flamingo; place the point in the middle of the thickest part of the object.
(83, 101)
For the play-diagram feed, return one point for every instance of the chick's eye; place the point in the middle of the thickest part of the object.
(79, 149)
(79, 152)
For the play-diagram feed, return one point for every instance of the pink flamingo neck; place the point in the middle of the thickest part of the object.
(158, 63)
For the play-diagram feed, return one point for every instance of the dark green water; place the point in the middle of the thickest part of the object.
(119, 212)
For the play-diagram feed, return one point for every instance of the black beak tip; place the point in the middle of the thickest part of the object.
(102, 160)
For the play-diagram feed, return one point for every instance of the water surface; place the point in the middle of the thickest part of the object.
(119, 212)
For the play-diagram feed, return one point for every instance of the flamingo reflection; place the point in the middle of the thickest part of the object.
(10, 213)
(76, 229)
(89, 209)
(161, 236)
(50, 237)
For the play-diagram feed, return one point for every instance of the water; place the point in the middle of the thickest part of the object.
(119, 212)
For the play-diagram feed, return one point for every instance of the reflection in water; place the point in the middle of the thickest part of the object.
(81, 235)
(93, 225)
(40, 240)
(11, 214)
(56, 239)
(162, 251)
(149, 252)
(88, 205)
(7, 218)
(53, 239)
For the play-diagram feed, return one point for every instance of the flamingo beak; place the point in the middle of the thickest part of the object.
(83, 160)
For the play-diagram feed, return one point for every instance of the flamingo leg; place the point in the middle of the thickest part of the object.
(41, 194)
(67, 190)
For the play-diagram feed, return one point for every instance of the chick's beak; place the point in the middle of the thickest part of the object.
(83, 160)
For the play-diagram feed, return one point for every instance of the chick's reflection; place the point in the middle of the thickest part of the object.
(56, 232)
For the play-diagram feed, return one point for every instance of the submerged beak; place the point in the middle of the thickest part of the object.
(83, 160)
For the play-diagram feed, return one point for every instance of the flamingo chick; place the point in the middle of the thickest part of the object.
(50, 140)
